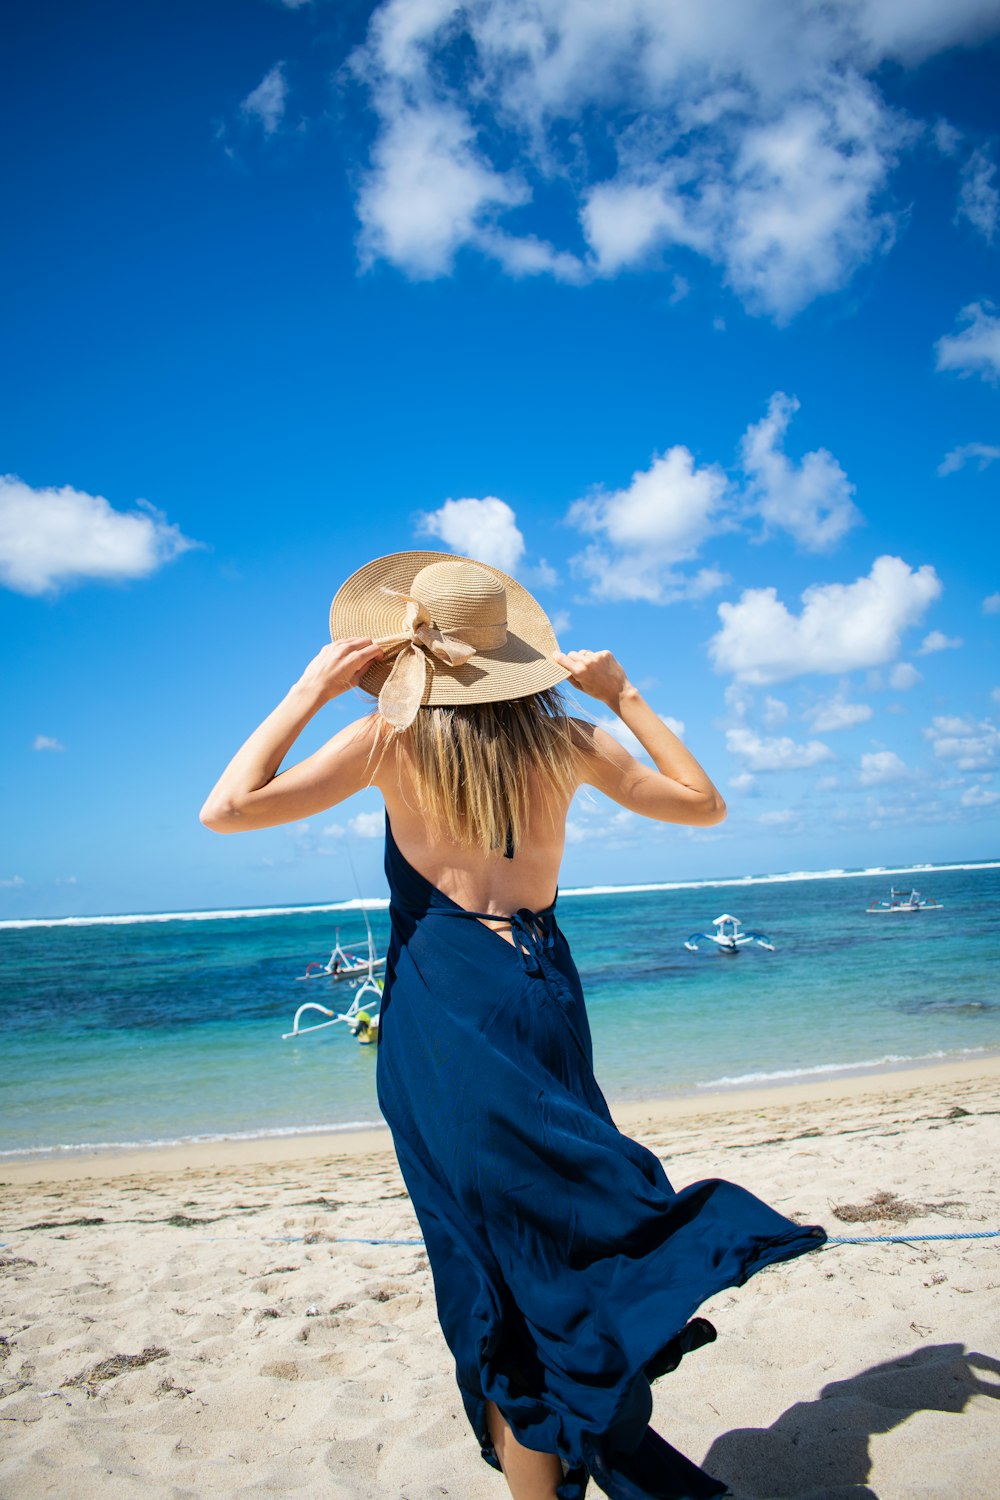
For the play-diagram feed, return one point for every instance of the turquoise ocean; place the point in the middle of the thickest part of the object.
(167, 1027)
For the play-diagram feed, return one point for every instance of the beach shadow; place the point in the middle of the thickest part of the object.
(820, 1448)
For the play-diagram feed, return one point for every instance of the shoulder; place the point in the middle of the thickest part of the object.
(364, 740)
(600, 755)
(591, 740)
(375, 742)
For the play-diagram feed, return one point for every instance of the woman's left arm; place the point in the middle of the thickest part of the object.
(251, 794)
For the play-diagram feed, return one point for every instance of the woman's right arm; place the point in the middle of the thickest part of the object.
(251, 793)
(678, 790)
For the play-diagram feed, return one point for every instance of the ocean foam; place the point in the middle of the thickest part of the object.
(362, 903)
(786, 1075)
(780, 879)
(381, 903)
(30, 1153)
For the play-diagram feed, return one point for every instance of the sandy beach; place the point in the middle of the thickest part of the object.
(216, 1320)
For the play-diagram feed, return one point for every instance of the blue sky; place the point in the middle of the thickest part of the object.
(687, 314)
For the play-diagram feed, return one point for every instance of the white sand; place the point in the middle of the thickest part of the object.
(298, 1364)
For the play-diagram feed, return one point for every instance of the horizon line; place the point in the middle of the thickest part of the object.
(380, 903)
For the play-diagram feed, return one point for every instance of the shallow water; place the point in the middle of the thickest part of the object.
(149, 1029)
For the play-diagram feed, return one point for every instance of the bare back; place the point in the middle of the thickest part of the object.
(478, 882)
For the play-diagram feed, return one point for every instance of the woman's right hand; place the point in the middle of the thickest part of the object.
(596, 673)
(339, 666)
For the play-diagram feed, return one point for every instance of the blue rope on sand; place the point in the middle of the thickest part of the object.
(906, 1239)
(378, 1242)
(833, 1239)
(298, 1239)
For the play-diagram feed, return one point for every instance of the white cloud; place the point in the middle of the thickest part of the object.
(745, 132)
(51, 538)
(780, 818)
(661, 519)
(938, 641)
(947, 138)
(632, 577)
(811, 499)
(802, 214)
(904, 676)
(983, 453)
(266, 103)
(525, 255)
(973, 745)
(560, 623)
(333, 831)
(879, 767)
(775, 711)
(541, 576)
(995, 695)
(12, 882)
(46, 742)
(909, 33)
(837, 713)
(828, 783)
(842, 627)
(429, 191)
(743, 781)
(483, 529)
(367, 825)
(991, 604)
(621, 732)
(976, 350)
(739, 700)
(778, 754)
(624, 221)
(979, 796)
(978, 198)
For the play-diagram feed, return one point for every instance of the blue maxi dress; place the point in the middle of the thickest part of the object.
(566, 1268)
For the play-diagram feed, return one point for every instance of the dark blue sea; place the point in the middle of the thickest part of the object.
(167, 1027)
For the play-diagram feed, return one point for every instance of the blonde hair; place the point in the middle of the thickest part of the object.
(473, 763)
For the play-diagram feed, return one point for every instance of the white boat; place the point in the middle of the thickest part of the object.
(902, 900)
(359, 1018)
(364, 974)
(729, 936)
(351, 962)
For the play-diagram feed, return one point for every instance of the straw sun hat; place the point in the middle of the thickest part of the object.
(452, 631)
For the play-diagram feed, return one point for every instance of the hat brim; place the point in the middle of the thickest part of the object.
(521, 666)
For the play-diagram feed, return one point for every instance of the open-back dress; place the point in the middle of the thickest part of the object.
(566, 1267)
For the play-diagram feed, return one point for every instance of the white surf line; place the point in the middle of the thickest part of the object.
(381, 903)
(782, 879)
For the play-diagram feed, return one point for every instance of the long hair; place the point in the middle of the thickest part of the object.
(473, 765)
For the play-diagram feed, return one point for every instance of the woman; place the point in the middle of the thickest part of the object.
(565, 1266)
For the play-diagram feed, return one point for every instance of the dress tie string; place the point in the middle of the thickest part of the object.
(532, 932)
(533, 936)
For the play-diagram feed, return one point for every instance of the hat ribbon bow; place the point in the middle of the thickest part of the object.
(418, 645)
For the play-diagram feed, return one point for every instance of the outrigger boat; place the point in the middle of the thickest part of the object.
(729, 936)
(361, 1021)
(344, 963)
(903, 900)
(364, 975)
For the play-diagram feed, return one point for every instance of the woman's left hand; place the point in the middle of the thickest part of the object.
(339, 666)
